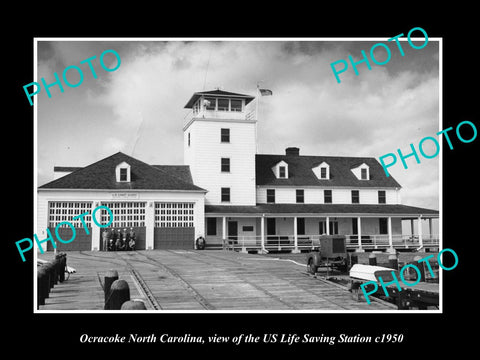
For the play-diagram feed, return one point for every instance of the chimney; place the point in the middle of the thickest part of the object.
(292, 151)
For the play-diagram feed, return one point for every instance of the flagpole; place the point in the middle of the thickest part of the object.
(256, 118)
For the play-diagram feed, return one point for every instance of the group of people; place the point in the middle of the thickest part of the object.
(117, 240)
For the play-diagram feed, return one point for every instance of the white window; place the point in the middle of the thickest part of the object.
(281, 170)
(322, 171)
(125, 214)
(60, 211)
(362, 172)
(171, 214)
(122, 172)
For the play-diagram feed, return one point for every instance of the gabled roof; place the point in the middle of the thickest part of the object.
(300, 171)
(217, 93)
(101, 175)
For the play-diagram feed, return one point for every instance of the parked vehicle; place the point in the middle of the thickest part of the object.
(331, 253)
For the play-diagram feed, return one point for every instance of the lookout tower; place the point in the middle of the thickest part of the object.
(220, 146)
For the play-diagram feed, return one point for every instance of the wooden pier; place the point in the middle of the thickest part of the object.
(201, 280)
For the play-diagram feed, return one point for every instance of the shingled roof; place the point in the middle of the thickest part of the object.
(101, 175)
(300, 171)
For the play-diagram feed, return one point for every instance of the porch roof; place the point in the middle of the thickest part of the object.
(322, 210)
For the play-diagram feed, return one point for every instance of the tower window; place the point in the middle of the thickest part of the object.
(223, 104)
(225, 135)
(210, 103)
(225, 165)
(235, 105)
(225, 194)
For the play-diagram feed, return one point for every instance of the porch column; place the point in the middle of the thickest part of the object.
(359, 232)
(328, 225)
(420, 236)
(295, 236)
(224, 231)
(150, 226)
(412, 228)
(95, 229)
(390, 238)
(430, 228)
(262, 233)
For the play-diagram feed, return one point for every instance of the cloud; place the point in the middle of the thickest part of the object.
(376, 112)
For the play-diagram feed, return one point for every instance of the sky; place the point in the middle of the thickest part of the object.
(139, 108)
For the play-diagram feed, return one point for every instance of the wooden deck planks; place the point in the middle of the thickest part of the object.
(191, 280)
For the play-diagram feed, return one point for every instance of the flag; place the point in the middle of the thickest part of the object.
(265, 92)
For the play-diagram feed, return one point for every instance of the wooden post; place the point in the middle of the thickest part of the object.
(295, 236)
(119, 293)
(390, 237)
(262, 230)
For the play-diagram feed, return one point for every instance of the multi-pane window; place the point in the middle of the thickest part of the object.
(173, 214)
(327, 196)
(382, 198)
(223, 104)
(225, 194)
(355, 197)
(323, 173)
(270, 195)
(300, 196)
(282, 172)
(210, 103)
(332, 227)
(123, 174)
(60, 211)
(235, 105)
(225, 135)
(125, 213)
(225, 165)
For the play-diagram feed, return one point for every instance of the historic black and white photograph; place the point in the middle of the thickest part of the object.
(234, 175)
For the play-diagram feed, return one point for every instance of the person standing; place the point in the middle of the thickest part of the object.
(105, 236)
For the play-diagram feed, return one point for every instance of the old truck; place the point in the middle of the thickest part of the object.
(332, 253)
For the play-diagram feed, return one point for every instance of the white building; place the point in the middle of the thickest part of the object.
(227, 192)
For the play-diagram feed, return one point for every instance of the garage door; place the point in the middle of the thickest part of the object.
(81, 242)
(61, 211)
(174, 238)
(174, 225)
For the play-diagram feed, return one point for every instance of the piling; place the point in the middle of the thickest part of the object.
(133, 305)
(119, 293)
(372, 259)
(109, 278)
(42, 286)
(393, 261)
(421, 267)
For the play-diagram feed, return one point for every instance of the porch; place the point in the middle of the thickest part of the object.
(270, 232)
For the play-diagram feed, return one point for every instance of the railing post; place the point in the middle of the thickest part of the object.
(244, 249)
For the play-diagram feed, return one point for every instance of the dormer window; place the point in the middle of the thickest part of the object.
(362, 172)
(281, 170)
(122, 172)
(322, 171)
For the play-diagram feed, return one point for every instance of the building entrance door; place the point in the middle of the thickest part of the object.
(233, 231)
